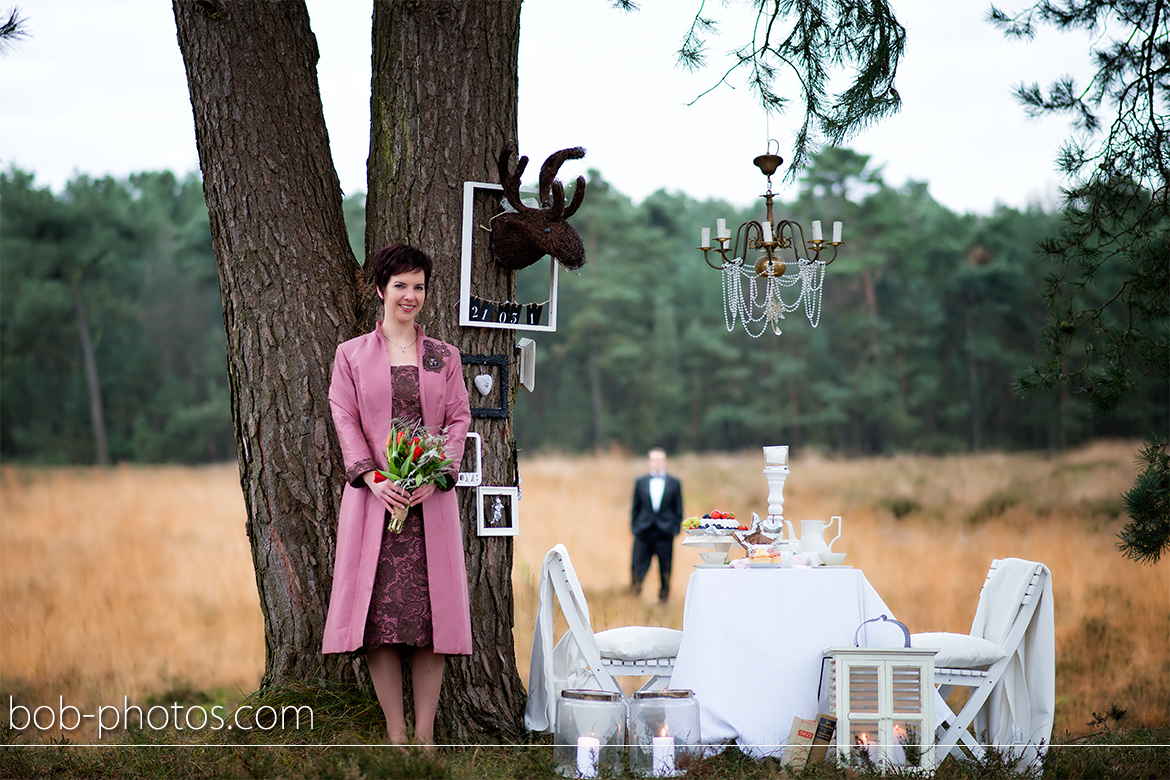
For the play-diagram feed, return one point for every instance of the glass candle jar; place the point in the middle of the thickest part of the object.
(590, 735)
(664, 732)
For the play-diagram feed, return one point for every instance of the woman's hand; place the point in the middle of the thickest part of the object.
(422, 494)
(391, 496)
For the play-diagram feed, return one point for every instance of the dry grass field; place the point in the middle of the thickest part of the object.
(134, 581)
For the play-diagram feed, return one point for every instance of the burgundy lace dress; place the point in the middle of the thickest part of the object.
(400, 607)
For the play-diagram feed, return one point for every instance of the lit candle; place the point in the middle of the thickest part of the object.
(662, 749)
(816, 230)
(721, 229)
(836, 232)
(705, 240)
(767, 232)
(588, 749)
(869, 748)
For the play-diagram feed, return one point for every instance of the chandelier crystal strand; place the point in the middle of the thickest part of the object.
(747, 303)
(813, 304)
(730, 296)
(751, 302)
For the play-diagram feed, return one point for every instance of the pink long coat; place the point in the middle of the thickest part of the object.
(361, 399)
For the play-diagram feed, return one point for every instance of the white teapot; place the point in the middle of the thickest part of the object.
(812, 534)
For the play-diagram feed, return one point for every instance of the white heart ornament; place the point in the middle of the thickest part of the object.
(483, 383)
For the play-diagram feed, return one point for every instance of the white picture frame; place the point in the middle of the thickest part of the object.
(472, 190)
(496, 511)
(473, 478)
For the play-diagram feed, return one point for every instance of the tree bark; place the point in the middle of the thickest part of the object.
(288, 280)
(443, 103)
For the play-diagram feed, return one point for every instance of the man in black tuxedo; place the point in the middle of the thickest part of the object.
(655, 520)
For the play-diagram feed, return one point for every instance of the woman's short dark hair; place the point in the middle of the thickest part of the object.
(399, 259)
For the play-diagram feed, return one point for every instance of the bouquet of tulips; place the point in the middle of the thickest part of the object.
(416, 456)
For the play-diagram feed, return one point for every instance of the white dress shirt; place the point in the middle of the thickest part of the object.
(657, 486)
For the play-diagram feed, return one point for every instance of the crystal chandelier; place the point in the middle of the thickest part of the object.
(753, 290)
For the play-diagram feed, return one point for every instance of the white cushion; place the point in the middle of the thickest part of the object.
(959, 651)
(634, 643)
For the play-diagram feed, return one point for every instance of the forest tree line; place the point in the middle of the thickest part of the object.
(111, 328)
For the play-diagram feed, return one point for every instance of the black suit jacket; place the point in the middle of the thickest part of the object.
(669, 516)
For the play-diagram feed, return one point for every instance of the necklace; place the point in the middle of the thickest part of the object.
(411, 344)
(395, 343)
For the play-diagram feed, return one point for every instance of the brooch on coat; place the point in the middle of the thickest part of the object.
(435, 354)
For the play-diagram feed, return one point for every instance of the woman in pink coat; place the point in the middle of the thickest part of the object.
(398, 594)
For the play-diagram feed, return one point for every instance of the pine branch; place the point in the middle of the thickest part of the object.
(1147, 534)
(807, 41)
(13, 30)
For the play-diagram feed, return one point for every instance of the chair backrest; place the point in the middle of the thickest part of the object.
(1008, 601)
(571, 597)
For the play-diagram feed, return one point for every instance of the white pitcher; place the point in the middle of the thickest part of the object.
(812, 535)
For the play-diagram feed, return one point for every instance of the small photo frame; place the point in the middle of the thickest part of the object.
(472, 478)
(495, 366)
(496, 511)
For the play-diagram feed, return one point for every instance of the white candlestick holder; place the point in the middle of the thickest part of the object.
(776, 472)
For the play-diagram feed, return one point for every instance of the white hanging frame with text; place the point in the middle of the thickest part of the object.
(470, 189)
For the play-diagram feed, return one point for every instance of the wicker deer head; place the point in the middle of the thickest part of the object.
(522, 237)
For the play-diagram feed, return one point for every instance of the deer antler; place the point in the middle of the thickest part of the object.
(578, 197)
(511, 181)
(549, 186)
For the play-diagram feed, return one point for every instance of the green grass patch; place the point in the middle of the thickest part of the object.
(342, 741)
(1124, 754)
(995, 505)
(901, 506)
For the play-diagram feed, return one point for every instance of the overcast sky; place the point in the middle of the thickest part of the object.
(99, 88)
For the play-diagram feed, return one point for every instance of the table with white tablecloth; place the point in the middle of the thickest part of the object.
(753, 641)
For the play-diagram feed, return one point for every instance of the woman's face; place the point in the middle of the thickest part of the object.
(404, 296)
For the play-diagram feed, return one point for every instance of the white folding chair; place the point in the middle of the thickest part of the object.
(630, 651)
(1008, 604)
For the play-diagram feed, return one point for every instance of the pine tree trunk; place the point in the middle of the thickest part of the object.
(96, 413)
(443, 104)
(288, 280)
(972, 378)
(598, 405)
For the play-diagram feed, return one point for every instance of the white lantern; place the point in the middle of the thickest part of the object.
(883, 699)
(590, 736)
